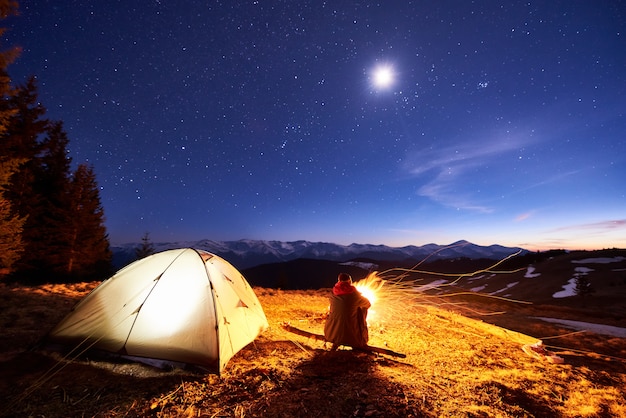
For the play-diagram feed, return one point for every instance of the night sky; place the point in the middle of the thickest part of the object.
(392, 122)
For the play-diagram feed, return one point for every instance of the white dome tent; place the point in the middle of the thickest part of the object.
(182, 306)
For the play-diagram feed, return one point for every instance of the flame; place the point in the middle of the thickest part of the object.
(369, 292)
(370, 288)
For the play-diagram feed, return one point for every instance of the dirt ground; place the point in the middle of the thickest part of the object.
(455, 366)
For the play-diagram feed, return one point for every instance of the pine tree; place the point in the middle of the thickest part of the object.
(7, 8)
(146, 247)
(89, 254)
(21, 140)
(51, 208)
(25, 123)
(49, 217)
(11, 225)
(61, 240)
(582, 286)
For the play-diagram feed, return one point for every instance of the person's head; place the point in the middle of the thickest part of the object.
(344, 277)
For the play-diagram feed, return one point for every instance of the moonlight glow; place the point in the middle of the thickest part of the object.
(382, 76)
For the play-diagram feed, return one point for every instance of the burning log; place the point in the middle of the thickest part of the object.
(288, 327)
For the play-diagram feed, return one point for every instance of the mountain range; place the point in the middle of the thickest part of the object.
(244, 254)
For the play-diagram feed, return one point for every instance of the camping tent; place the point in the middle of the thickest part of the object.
(182, 306)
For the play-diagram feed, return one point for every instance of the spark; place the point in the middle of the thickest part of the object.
(386, 295)
(393, 290)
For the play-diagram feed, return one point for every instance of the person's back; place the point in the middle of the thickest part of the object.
(346, 322)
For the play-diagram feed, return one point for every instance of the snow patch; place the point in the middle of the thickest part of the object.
(431, 285)
(482, 276)
(600, 260)
(508, 286)
(530, 273)
(479, 288)
(361, 265)
(569, 289)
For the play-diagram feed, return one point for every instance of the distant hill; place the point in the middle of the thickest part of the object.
(545, 280)
(245, 254)
(539, 277)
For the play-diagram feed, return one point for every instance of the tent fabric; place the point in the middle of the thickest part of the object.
(182, 306)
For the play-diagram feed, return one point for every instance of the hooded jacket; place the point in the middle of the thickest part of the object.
(346, 322)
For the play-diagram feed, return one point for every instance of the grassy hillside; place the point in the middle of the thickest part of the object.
(454, 365)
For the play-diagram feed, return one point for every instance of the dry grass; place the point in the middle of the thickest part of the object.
(455, 367)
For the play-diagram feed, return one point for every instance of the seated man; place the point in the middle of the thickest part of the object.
(346, 322)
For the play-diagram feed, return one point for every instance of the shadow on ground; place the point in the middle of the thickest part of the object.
(324, 386)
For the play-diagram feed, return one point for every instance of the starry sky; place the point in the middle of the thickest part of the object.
(395, 122)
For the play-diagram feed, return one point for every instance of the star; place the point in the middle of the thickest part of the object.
(260, 119)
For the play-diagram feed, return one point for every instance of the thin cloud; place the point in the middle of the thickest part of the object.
(449, 166)
(548, 180)
(442, 191)
(458, 157)
(608, 225)
(523, 216)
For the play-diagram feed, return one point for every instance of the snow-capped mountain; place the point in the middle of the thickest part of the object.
(249, 253)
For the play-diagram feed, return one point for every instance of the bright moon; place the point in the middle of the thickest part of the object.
(383, 77)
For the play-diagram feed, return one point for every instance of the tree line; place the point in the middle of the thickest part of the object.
(51, 217)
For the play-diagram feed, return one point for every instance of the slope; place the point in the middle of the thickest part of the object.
(455, 366)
